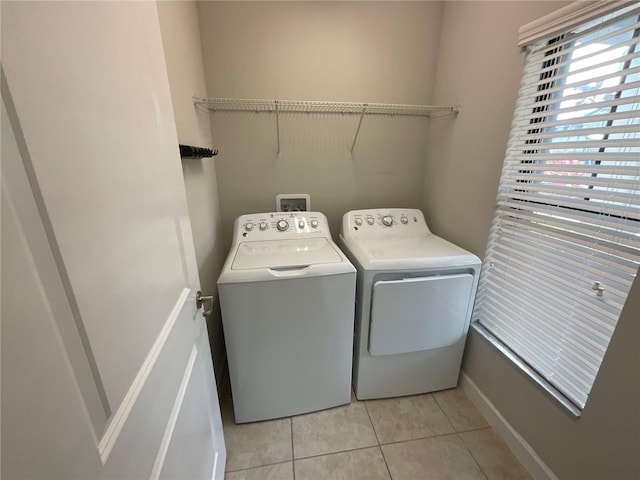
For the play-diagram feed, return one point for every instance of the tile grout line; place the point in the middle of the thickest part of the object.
(256, 467)
(420, 438)
(386, 464)
(338, 452)
(473, 456)
(425, 438)
(474, 429)
(458, 432)
(373, 427)
(293, 458)
(435, 399)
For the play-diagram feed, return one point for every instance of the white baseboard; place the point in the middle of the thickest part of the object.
(518, 445)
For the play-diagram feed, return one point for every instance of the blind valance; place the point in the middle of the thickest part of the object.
(565, 19)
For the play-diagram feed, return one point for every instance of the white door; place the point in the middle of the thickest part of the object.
(106, 368)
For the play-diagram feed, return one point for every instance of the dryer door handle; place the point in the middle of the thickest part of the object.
(294, 271)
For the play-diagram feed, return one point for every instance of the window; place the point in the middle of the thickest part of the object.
(564, 246)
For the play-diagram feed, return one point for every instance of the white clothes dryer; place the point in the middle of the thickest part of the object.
(414, 298)
(287, 296)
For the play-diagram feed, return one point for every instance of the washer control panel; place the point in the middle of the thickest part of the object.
(275, 225)
(384, 221)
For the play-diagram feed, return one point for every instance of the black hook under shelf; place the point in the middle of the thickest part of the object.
(188, 151)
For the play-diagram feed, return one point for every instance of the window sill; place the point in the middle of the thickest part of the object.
(534, 376)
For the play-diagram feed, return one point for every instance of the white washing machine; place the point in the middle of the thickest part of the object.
(287, 295)
(414, 299)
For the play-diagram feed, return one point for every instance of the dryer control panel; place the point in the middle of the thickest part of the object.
(278, 225)
(383, 222)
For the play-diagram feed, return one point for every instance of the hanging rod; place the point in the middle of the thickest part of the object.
(280, 106)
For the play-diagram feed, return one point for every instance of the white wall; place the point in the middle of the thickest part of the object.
(335, 51)
(480, 66)
(183, 54)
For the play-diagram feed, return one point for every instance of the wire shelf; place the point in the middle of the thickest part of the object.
(305, 106)
(261, 105)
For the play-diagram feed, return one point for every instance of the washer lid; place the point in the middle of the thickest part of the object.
(276, 254)
(398, 252)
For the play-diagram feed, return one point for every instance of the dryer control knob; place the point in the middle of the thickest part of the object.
(301, 224)
(314, 223)
(358, 221)
(387, 221)
(263, 225)
(248, 226)
(404, 219)
(370, 220)
(282, 225)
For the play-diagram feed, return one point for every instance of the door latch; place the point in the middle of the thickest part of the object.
(201, 299)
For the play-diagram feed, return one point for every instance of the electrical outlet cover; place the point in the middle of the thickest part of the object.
(293, 202)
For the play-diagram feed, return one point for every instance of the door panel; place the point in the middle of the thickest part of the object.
(102, 345)
(192, 432)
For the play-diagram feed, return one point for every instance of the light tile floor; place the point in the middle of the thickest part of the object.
(431, 436)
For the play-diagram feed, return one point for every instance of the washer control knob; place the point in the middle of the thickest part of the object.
(358, 221)
(314, 223)
(282, 225)
(301, 224)
(404, 219)
(387, 221)
(263, 226)
(370, 220)
(248, 226)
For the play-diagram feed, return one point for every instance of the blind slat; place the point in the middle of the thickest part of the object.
(600, 329)
(568, 261)
(587, 352)
(622, 157)
(525, 114)
(579, 181)
(565, 87)
(626, 169)
(523, 123)
(586, 143)
(590, 344)
(575, 238)
(603, 209)
(512, 208)
(569, 286)
(534, 72)
(568, 41)
(550, 134)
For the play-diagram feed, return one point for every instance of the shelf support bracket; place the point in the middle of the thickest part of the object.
(355, 138)
(278, 126)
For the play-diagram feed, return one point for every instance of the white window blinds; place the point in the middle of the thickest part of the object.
(564, 245)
